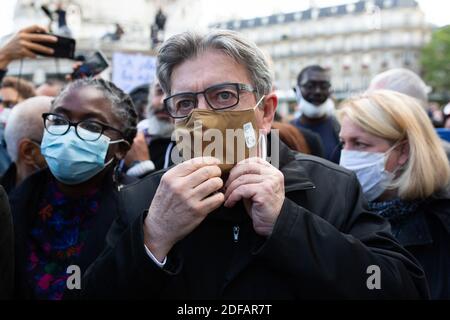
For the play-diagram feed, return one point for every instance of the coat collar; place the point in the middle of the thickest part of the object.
(295, 175)
(415, 230)
(440, 207)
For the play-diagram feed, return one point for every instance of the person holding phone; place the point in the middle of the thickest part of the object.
(90, 67)
(23, 44)
(27, 43)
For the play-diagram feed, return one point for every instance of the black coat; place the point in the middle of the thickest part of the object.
(321, 247)
(158, 149)
(426, 234)
(8, 180)
(6, 248)
(24, 206)
(336, 154)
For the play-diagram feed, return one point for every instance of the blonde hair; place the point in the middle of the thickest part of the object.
(396, 117)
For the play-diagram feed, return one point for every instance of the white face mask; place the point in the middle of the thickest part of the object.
(311, 110)
(369, 168)
(156, 127)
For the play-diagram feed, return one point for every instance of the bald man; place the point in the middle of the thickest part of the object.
(50, 88)
(407, 82)
(23, 136)
(404, 81)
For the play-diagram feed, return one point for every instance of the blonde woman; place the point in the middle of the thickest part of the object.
(391, 145)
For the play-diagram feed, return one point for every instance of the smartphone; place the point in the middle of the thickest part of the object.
(92, 66)
(63, 48)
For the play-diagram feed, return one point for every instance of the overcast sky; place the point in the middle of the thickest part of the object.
(436, 11)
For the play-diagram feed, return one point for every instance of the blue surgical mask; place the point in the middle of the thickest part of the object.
(72, 160)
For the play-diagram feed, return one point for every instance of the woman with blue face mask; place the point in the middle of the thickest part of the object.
(391, 145)
(62, 214)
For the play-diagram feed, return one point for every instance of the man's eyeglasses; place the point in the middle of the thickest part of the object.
(218, 97)
(87, 130)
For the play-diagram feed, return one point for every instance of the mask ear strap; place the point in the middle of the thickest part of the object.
(118, 141)
(259, 101)
(262, 143)
(388, 154)
(394, 146)
(298, 93)
(109, 162)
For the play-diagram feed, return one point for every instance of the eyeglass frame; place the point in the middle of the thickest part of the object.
(240, 87)
(75, 125)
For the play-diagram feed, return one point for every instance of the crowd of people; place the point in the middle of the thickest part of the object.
(118, 186)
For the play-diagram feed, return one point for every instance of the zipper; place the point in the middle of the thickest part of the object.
(300, 187)
(236, 233)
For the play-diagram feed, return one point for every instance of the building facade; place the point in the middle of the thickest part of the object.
(92, 21)
(92, 24)
(353, 41)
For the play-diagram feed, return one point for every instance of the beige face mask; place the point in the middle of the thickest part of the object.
(230, 136)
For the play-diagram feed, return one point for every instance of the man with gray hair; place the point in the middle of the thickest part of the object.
(23, 136)
(208, 228)
(404, 81)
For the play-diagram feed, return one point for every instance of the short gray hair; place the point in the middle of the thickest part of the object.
(186, 45)
(25, 121)
(404, 81)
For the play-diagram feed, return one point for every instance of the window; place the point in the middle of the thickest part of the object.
(375, 40)
(387, 3)
(280, 18)
(315, 13)
(350, 7)
(365, 42)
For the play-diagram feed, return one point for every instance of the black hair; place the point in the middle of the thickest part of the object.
(314, 68)
(122, 105)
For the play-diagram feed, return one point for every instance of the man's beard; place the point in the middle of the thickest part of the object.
(156, 127)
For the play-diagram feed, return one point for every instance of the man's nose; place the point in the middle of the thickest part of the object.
(317, 89)
(202, 103)
(159, 106)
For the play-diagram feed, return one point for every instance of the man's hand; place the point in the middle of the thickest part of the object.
(139, 150)
(261, 186)
(23, 43)
(185, 196)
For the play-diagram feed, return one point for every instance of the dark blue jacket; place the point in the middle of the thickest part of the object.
(426, 234)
